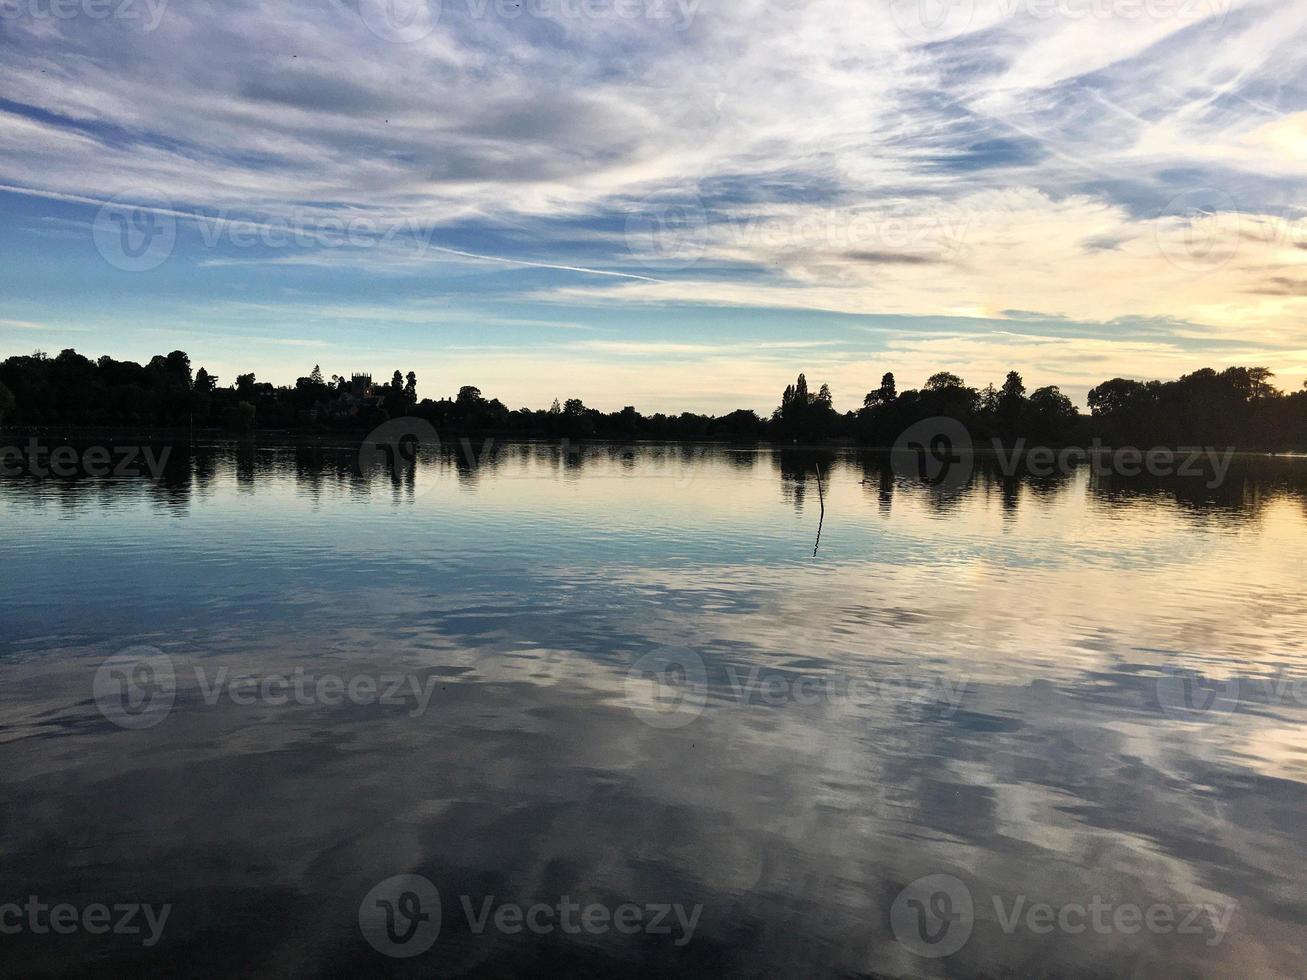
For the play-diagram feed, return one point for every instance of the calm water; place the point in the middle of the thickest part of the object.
(625, 680)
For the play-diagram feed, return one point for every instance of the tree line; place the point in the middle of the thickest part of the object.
(1239, 406)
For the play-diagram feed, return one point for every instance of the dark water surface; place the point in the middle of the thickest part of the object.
(1074, 705)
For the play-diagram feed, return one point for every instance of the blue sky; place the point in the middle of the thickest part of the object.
(676, 205)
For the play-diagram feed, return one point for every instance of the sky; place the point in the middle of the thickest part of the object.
(674, 204)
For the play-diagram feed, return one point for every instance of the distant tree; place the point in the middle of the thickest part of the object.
(202, 396)
(1011, 406)
(1052, 414)
(884, 395)
(945, 394)
(1251, 383)
(172, 371)
(1235, 406)
(1050, 401)
(1116, 395)
(628, 420)
(240, 417)
(803, 415)
(876, 423)
(942, 381)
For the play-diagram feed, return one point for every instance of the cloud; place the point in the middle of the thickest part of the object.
(820, 156)
(889, 258)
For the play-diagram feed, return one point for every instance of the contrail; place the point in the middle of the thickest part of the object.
(193, 216)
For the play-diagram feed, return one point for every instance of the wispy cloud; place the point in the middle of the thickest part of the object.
(821, 156)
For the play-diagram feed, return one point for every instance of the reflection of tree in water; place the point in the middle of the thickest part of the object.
(878, 479)
(310, 471)
(1251, 484)
(797, 467)
(470, 457)
(246, 460)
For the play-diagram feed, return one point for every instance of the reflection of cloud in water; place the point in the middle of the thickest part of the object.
(1056, 777)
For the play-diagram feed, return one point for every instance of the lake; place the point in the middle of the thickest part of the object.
(609, 710)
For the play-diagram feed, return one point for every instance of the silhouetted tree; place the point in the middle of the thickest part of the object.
(1237, 406)
(803, 415)
(241, 417)
(1011, 407)
(942, 381)
(1051, 414)
(884, 395)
